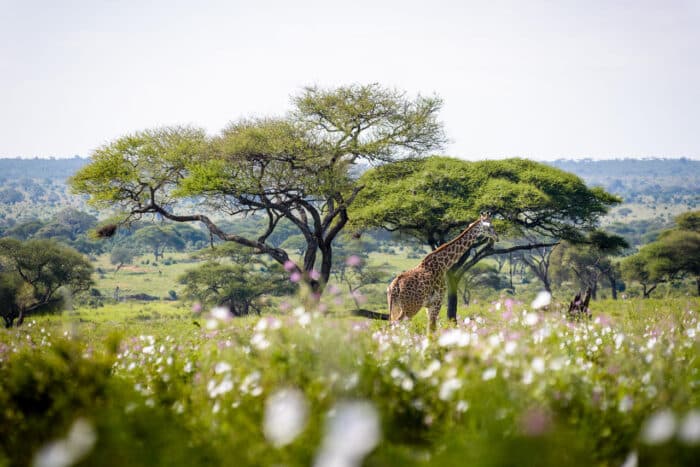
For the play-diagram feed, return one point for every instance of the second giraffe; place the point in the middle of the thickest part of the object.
(424, 285)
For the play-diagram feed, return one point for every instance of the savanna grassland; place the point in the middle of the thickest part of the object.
(160, 384)
(114, 380)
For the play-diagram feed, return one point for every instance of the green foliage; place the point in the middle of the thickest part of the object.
(158, 238)
(43, 268)
(674, 255)
(119, 172)
(495, 390)
(241, 285)
(121, 255)
(689, 221)
(296, 168)
(432, 197)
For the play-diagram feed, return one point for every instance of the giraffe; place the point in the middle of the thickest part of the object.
(424, 285)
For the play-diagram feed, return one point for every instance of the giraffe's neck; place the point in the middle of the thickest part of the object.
(449, 253)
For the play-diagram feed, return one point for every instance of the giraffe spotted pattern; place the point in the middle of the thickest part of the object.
(424, 285)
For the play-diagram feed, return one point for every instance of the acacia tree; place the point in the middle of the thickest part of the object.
(241, 283)
(589, 261)
(33, 272)
(158, 238)
(298, 167)
(538, 261)
(674, 255)
(432, 199)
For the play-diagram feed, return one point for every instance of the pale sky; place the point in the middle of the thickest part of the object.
(529, 78)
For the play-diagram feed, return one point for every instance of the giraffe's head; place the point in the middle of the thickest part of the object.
(485, 227)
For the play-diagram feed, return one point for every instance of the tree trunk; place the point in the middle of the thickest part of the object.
(613, 286)
(20, 317)
(452, 278)
(8, 320)
(647, 292)
(547, 283)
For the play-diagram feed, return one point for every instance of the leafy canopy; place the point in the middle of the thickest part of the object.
(430, 198)
(34, 271)
(298, 167)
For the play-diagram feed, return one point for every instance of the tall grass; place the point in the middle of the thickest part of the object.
(159, 385)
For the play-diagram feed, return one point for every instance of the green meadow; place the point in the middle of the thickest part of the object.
(158, 384)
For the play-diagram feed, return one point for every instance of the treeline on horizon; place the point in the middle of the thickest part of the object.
(58, 168)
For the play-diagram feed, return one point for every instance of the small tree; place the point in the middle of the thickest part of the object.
(32, 274)
(240, 284)
(590, 260)
(538, 261)
(120, 256)
(158, 238)
(674, 255)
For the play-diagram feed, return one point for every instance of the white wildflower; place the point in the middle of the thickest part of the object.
(448, 387)
(531, 319)
(510, 347)
(221, 367)
(215, 390)
(70, 450)
(262, 325)
(689, 431)
(542, 300)
(351, 433)
(538, 365)
(221, 313)
(619, 339)
(454, 337)
(625, 404)
(430, 369)
(632, 460)
(304, 319)
(286, 413)
(489, 373)
(259, 341)
(659, 428)
(462, 406)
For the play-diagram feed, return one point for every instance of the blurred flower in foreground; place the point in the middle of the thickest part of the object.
(352, 431)
(659, 428)
(535, 422)
(632, 460)
(542, 300)
(295, 276)
(689, 431)
(286, 413)
(219, 314)
(68, 451)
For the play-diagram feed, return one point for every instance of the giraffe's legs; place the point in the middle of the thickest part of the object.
(434, 304)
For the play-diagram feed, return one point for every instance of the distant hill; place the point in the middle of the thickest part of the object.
(53, 169)
(671, 185)
(670, 181)
(588, 168)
